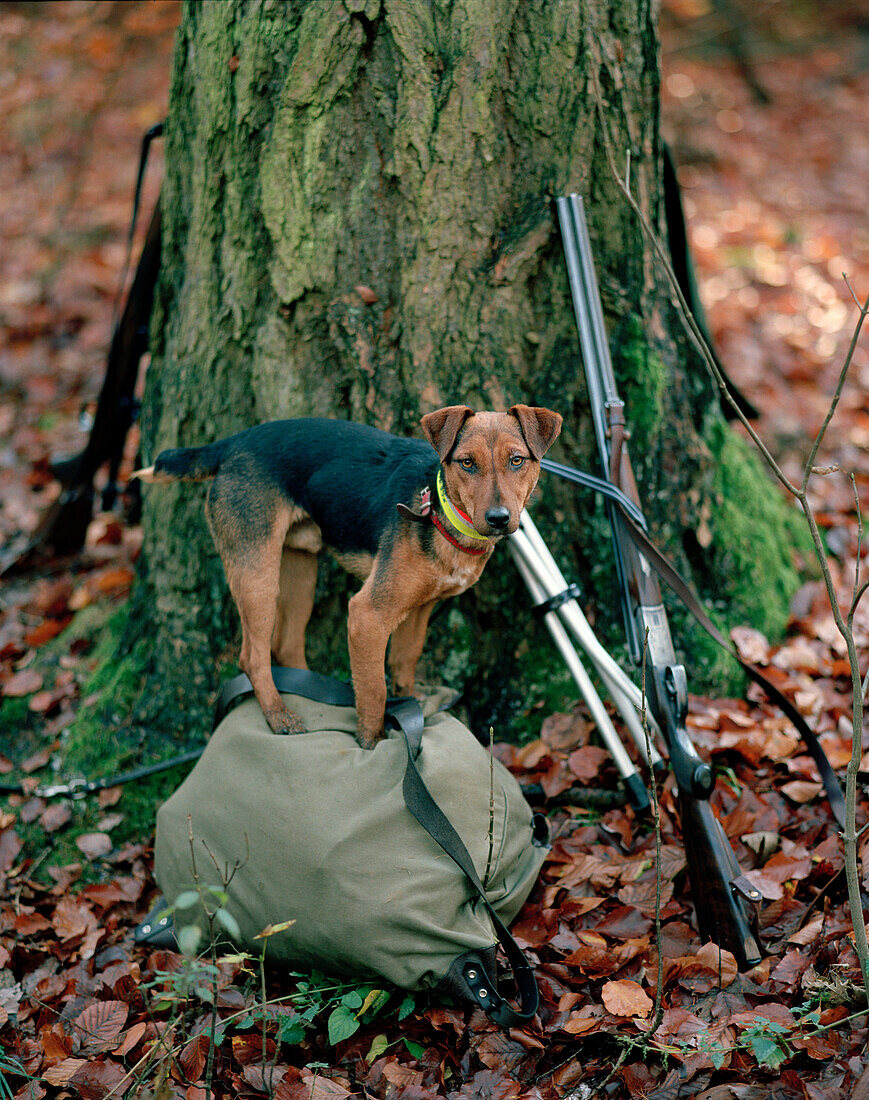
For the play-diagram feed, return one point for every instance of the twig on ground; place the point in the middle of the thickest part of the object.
(491, 805)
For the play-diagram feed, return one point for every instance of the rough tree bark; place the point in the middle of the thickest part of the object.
(412, 147)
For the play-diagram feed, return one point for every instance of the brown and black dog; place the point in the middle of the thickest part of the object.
(415, 526)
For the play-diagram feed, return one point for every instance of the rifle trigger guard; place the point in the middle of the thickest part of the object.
(676, 685)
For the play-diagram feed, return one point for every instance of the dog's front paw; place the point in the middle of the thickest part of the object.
(367, 739)
(285, 721)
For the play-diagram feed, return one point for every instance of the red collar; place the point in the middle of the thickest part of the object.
(426, 512)
(473, 550)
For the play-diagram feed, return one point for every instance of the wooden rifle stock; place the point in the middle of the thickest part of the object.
(724, 899)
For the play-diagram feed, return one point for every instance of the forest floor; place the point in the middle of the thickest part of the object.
(776, 199)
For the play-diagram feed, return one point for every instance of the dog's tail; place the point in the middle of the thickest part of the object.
(184, 464)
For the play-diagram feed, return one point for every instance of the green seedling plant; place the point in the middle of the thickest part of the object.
(770, 1043)
(767, 1041)
(13, 1066)
(344, 1006)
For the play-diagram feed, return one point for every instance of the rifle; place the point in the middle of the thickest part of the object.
(64, 526)
(724, 899)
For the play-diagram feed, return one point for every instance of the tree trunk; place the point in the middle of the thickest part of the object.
(358, 224)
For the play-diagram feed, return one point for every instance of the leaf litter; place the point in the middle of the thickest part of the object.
(85, 1012)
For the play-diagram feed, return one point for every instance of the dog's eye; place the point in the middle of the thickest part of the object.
(466, 463)
(517, 461)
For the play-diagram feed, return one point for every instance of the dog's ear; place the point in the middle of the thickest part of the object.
(539, 426)
(442, 426)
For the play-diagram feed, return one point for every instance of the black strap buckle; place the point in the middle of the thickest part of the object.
(572, 592)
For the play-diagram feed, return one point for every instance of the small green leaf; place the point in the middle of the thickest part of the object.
(239, 959)
(767, 1051)
(353, 999)
(273, 929)
(378, 1045)
(342, 1024)
(414, 1049)
(204, 993)
(188, 939)
(291, 1030)
(406, 1007)
(373, 1003)
(219, 893)
(229, 923)
(187, 899)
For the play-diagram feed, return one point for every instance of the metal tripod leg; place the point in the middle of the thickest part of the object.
(525, 561)
(626, 696)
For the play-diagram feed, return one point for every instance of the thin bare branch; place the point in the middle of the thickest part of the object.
(491, 852)
(851, 289)
(684, 310)
(858, 596)
(840, 385)
(858, 589)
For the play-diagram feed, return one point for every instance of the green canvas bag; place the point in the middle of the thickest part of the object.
(391, 862)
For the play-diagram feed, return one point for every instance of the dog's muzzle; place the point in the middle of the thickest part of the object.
(498, 520)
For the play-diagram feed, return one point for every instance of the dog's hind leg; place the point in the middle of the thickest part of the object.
(250, 545)
(298, 583)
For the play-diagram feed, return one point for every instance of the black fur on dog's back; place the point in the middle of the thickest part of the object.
(308, 460)
(190, 463)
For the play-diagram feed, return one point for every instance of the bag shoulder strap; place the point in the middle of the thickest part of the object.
(683, 590)
(407, 715)
(636, 527)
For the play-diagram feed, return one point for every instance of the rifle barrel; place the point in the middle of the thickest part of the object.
(722, 895)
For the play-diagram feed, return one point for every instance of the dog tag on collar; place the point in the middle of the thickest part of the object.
(424, 512)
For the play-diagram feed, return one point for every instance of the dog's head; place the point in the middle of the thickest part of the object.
(490, 460)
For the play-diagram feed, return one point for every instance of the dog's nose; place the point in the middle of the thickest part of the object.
(498, 518)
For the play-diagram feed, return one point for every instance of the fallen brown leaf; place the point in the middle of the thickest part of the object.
(10, 846)
(132, 1037)
(800, 790)
(626, 998)
(38, 759)
(70, 918)
(751, 645)
(25, 682)
(96, 1080)
(63, 1072)
(99, 1026)
(94, 845)
(55, 817)
(48, 629)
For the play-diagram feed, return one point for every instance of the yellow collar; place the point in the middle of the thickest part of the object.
(458, 519)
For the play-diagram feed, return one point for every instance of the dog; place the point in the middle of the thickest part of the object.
(416, 525)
